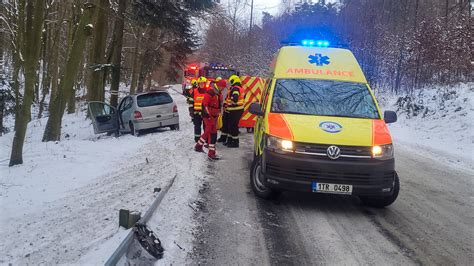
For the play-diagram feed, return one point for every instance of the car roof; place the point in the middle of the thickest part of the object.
(302, 62)
(149, 92)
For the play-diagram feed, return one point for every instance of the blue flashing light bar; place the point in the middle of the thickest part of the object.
(318, 43)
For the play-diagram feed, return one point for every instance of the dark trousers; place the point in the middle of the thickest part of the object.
(198, 123)
(225, 124)
(233, 123)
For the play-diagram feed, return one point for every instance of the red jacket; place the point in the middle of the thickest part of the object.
(211, 104)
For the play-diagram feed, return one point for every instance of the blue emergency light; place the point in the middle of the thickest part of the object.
(319, 43)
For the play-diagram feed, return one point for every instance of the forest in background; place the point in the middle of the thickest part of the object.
(55, 54)
(402, 45)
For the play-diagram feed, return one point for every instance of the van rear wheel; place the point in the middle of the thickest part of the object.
(257, 181)
(381, 202)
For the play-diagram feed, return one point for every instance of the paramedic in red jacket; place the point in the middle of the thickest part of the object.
(211, 108)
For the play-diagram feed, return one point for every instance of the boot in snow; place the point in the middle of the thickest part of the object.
(212, 154)
(233, 144)
(198, 147)
(222, 138)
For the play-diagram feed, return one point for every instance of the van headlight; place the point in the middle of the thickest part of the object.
(382, 152)
(277, 144)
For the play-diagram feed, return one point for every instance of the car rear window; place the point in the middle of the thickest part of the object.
(152, 99)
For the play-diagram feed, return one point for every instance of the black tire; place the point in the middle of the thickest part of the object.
(174, 127)
(256, 182)
(381, 202)
(133, 131)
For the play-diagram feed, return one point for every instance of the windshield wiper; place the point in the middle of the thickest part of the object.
(289, 112)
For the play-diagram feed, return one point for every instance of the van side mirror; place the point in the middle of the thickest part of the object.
(390, 117)
(256, 109)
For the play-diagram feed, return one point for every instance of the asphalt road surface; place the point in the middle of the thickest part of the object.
(432, 222)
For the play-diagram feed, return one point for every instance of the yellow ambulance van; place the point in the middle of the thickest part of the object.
(319, 128)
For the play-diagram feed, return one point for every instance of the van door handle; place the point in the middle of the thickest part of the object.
(158, 116)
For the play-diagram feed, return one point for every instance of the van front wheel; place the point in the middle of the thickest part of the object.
(381, 202)
(257, 181)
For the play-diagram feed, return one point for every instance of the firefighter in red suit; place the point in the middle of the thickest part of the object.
(211, 108)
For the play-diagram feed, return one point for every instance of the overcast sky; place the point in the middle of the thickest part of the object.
(271, 6)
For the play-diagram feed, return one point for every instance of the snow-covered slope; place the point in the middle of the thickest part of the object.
(63, 202)
(437, 122)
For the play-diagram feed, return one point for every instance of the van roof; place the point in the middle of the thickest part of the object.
(300, 62)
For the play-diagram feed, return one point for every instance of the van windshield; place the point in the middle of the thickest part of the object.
(323, 97)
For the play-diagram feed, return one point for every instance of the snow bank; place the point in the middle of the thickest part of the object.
(61, 206)
(437, 122)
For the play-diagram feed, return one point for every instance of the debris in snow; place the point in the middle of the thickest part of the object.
(180, 247)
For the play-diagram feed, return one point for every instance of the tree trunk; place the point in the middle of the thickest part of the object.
(148, 82)
(95, 86)
(34, 22)
(46, 78)
(117, 53)
(17, 60)
(53, 127)
(136, 64)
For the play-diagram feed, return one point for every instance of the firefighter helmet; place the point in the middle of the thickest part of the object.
(194, 82)
(234, 79)
(202, 79)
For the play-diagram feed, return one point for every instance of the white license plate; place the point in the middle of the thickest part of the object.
(331, 188)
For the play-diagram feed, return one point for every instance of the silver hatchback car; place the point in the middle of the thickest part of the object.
(136, 112)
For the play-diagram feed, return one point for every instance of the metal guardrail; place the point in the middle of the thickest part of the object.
(125, 244)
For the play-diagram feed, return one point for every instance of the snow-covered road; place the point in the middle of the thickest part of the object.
(430, 223)
(61, 206)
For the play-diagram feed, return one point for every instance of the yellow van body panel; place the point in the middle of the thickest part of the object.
(306, 128)
(296, 62)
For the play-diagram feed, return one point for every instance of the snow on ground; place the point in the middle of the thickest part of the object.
(437, 123)
(61, 205)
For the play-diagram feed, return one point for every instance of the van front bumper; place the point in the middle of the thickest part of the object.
(297, 172)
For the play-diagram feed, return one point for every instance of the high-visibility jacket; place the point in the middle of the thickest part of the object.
(189, 97)
(235, 98)
(198, 96)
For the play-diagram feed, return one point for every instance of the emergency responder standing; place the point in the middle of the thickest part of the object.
(188, 93)
(233, 109)
(220, 85)
(198, 97)
(211, 109)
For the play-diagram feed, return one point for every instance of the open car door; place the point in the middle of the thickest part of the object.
(104, 117)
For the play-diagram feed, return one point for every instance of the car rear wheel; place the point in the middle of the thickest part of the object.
(257, 181)
(133, 131)
(381, 202)
(174, 127)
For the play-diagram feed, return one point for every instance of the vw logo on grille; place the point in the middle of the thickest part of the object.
(333, 152)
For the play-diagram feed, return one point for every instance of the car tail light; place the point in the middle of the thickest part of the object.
(175, 109)
(137, 115)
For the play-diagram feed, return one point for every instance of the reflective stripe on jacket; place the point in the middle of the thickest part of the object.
(235, 99)
(198, 96)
